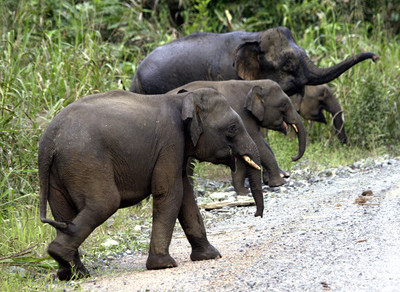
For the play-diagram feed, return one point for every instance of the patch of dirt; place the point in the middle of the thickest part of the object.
(313, 237)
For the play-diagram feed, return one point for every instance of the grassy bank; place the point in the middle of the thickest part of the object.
(54, 52)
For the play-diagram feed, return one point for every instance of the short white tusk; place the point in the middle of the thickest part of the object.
(285, 125)
(295, 128)
(251, 162)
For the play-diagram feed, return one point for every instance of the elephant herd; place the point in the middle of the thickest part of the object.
(204, 97)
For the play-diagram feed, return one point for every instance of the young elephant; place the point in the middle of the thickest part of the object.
(316, 99)
(112, 150)
(260, 103)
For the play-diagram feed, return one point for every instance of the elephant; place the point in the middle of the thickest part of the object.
(112, 150)
(318, 98)
(270, 54)
(260, 103)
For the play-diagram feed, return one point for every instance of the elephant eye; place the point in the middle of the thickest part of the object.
(231, 131)
(289, 63)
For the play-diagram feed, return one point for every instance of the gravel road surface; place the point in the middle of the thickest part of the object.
(336, 230)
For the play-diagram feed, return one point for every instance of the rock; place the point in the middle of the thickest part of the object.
(110, 242)
(17, 270)
(367, 193)
(223, 196)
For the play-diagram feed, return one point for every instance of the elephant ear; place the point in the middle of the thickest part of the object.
(255, 103)
(296, 101)
(326, 93)
(190, 111)
(246, 60)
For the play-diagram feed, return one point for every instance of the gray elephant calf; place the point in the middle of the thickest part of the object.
(112, 150)
(260, 103)
(315, 100)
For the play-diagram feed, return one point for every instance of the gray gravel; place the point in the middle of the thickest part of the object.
(319, 233)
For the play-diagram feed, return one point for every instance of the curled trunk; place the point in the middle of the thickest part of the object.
(338, 124)
(300, 130)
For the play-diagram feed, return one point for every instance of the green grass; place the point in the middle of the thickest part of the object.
(54, 52)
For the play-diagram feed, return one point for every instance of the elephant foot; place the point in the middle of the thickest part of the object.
(205, 253)
(157, 262)
(276, 181)
(241, 191)
(64, 256)
(69, 273)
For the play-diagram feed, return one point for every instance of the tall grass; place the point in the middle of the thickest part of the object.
(54, 52)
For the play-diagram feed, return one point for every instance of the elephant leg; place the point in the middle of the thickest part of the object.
(66, 270)
(64, 248)
(193, 225)
(238, 179)
(167, 199)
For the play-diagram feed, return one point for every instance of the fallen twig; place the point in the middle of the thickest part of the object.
(219, 205)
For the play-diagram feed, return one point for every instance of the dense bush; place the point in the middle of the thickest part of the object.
(53, 52)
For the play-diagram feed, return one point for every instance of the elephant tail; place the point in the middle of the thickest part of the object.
(45, 160)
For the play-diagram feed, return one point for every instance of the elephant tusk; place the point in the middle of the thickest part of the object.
(285, 125)
(251, 162)
(295, 128)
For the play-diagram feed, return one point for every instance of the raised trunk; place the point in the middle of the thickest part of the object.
(315, 75)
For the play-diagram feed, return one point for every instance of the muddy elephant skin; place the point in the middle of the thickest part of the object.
(270, 54)
(317, 99)
(260, 103)
(112, 150)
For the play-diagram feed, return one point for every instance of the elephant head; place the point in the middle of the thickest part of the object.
(274, 110)
(315, 100)
(218, 135)
(275, 55)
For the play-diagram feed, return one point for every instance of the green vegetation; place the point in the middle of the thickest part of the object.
(53, 52)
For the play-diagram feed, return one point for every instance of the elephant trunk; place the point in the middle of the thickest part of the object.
(332, 106)
(338, 124)
(249, 153)
(300, 130)
(315, 75)
(254, 177)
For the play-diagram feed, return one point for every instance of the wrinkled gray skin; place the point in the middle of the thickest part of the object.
(315, 100)
(271, 54)
(112, 150)
(260, 103)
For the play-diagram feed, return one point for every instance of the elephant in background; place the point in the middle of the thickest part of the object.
(260, 103)
(112, 150)
(315, 100)
(270, 54)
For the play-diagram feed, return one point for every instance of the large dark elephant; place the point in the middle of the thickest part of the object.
(112, 150)
(271, 54)
(315, 100)
(260, 103)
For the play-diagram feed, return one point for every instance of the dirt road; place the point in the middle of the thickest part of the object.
(319, 233)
